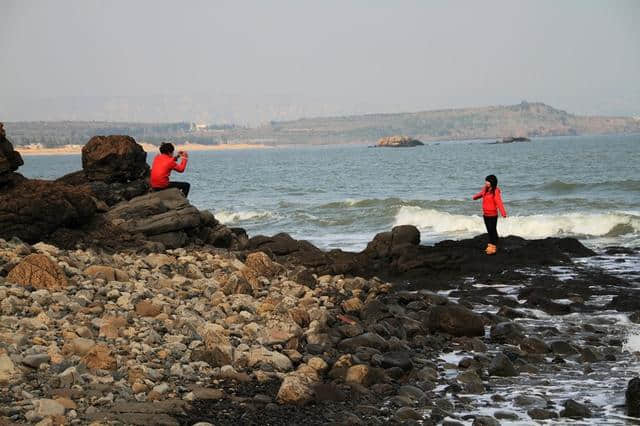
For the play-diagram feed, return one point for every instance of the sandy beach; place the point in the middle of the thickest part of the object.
(77, 149)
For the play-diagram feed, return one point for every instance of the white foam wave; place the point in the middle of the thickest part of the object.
(535, 226)
(227, 217)
(632, 344)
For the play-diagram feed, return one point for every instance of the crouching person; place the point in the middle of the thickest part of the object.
(164, 164)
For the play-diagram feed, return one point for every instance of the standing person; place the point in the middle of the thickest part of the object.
(162, 166)
(491, 203)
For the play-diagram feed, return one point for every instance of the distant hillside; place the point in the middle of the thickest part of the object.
(525, 119)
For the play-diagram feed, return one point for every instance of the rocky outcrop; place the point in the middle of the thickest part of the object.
(114, 169)
(111, 193)
(32, 210)
(168, 217)
(398, 255)
(10, 159)
(114, 158)
(398, 142)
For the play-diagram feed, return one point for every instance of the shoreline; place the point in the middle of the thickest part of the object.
(149, 148)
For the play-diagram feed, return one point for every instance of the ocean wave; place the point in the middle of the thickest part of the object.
(534, 226)
(392, 202)
(561, 187)
(367, 202)
(227, 217)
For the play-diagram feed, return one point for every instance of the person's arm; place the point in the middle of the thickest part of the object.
(499, 204)
(479, 194)
(179, 167)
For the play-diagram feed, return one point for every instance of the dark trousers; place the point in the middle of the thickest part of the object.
(491, 222)
(182, 186)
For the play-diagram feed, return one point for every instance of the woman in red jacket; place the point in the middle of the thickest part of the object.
(162, 166)
(491, 203)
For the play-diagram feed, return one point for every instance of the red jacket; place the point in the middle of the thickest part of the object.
(491, 202)
(162, 166)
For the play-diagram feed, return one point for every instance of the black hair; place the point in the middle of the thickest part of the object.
(493, 180)
(167, 148)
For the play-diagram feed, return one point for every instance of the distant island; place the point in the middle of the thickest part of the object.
(511, 139)
(493, 123)
(398, 142)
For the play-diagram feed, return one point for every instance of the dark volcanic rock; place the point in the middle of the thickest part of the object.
(630, 301)
(574, 409)
(397, 255)
(10, 159)
(542, 414)
(110, 193)
(155, 213)
(507, 332)
(368, 340)
(502, 366)
(455, 320)
(114, 158)
(33, 209)
(397, 359)
(632, 397)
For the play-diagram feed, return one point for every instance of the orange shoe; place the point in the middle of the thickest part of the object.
(491, 249)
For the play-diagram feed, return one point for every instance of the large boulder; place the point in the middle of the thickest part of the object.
(33, 209)
(114, 158)
(167, 217)
(10, 159)
(155, 213)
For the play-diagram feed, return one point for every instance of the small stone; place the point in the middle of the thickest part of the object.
(485, 421)
(34, 361)
(502, 366)
(352, 305)
(505, 415)
(407, 413)
(99, 357)
(139, 387)
(8, 371)
(82, 346)
(48, 407)
(66, 403)
(69, 377)
(318, 364)
(542, 414)
(412, 392)
(161, 388)
(146, 308)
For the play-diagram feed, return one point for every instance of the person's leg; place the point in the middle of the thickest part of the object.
(492, 224)
(182, 186)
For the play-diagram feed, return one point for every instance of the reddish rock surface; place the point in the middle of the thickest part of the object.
(114, 158)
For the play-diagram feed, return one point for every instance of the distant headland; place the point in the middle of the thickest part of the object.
(526, 120)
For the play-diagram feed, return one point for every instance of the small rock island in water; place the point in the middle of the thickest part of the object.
(398, 142)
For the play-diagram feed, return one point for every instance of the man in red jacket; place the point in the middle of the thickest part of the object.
(491, 203)
(162, 166)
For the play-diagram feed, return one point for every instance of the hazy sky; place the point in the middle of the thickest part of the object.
(321, 57)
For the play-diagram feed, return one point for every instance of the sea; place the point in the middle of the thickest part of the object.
(587, 187)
